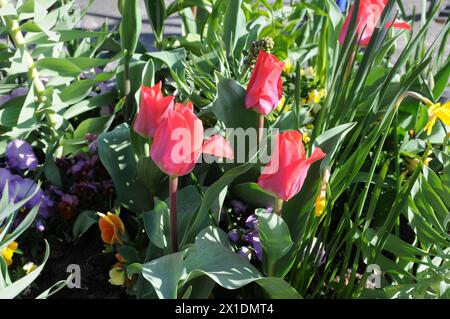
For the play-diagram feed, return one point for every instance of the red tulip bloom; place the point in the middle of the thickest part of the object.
(369, 14)
(286, 172)
(153, 108)
(178, 142)
(218, 146)
(264, 90)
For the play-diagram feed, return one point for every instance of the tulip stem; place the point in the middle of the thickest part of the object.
(260, 129)
(173, 186)
(278, 206)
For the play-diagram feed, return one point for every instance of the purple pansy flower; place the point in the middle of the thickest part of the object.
(233, 235)
(253, 238)
(14, 93)
(245, 252)
(20, 155)
(77, 167)
(24, 187)
(71, 200)
(5, 175)
(252, 222)
(237, 206)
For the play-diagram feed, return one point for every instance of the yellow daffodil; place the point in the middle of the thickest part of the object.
(438, 111)
(9, 251)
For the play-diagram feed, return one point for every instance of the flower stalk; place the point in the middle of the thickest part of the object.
(278, 206)
(260, 128)
(173, 186)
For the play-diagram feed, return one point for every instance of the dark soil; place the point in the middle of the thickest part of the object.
(94, 266)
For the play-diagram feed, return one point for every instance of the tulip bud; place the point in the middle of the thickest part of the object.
(264, 90)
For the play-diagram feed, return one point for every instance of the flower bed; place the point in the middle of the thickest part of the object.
(275, 150)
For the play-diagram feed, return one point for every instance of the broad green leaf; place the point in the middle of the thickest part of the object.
(117, 156)
(61, 66)
(92, 103)
(83, 222)
(157, 223)
(229, 106)
(253, 194)
(276, 243)
(76, 91)
(164, 274)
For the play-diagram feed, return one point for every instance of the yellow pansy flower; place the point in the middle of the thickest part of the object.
(316, 96)
(117, 276)
(29, 267)
(438, 111)
(9, 251)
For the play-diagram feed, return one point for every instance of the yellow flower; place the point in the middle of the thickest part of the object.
(9, 251)
(321, 200)
(281, 104)
(288, 66)
(316, 96)
(438, 111)
(29, 267)
(321, 203)
(117, 276)
(305, 138)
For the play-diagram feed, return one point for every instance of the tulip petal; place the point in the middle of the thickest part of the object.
(316, 155)
(218, 146)
(153, 108)
(399, 24)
